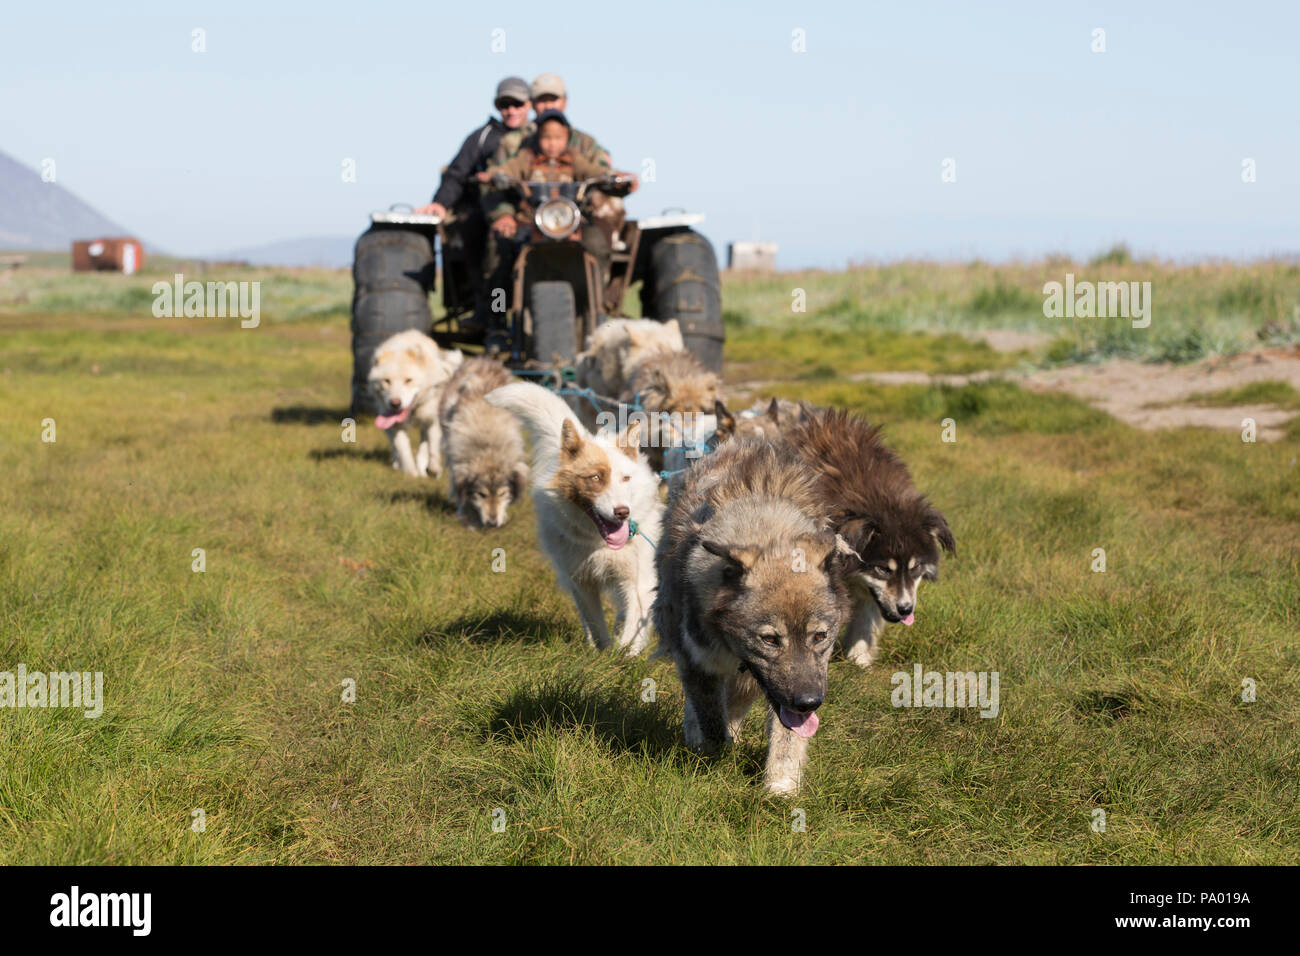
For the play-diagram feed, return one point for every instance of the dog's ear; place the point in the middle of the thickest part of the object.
(570, 438)
(726, 420)
(842, 559)
(634, 338)
(774, 411)
(830, 552)
(629, 443)
(858, 531)
(518, 481)
(937, 527)
(739, 558)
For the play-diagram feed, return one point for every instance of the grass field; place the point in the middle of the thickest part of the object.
(1120, 690)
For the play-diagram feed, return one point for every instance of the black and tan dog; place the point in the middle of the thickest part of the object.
(868, 494)
(751, 595)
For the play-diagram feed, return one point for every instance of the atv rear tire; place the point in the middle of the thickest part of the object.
(392, 271)
(683, 284)
(555, 322)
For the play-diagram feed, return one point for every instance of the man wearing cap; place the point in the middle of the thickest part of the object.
(548, 93)
(459, 190)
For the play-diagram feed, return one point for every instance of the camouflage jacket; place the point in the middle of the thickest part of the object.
(530, 166)
(580, 144)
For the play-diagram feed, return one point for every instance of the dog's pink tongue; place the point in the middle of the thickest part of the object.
(909, 619)
(805, 725)
(388, 421)
(618, 537)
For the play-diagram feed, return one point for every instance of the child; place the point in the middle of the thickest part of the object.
(546, 158)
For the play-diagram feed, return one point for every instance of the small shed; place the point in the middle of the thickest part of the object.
(122, 254)
(752, 256)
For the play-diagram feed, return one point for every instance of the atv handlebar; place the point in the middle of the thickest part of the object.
(611, 185)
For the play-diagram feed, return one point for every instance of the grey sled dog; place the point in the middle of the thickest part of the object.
(481, 444)
(751, 595)
(587, 490)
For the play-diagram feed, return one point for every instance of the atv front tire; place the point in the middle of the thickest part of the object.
(555, 322)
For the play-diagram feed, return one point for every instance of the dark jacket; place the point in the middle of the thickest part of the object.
(458, 181)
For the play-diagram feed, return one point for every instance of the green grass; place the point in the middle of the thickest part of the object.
(1119, 690)
(1282, 394)
(1197, 310)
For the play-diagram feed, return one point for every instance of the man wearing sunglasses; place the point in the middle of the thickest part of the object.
(459, 192)
(548, 93)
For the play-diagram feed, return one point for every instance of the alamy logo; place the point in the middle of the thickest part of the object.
(103, 909)
(82, 689)
(217, 300)
(1098, 300)
(659, 429)
(946, 689)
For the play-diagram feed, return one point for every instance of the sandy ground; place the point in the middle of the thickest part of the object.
(1155, 396)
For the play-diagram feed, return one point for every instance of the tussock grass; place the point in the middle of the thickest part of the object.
(1119, 690)
(1197, 310)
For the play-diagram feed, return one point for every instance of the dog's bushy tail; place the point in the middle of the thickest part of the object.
(541, 411)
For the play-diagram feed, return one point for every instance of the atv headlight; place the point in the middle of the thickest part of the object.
(557, 218)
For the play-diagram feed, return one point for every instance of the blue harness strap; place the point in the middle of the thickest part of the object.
(635, 530)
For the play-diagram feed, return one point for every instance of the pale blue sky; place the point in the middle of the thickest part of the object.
(837, 150)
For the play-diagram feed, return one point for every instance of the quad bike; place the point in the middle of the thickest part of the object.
(557, 296)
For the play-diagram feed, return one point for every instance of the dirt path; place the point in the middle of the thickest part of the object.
(1145, 395)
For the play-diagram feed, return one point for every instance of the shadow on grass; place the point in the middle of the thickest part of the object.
(355, 454)
(619, 719)
(1109, 705)
(494, 627)
(309, 415)
(433, 499)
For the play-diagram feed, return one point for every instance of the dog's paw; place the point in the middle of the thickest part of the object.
(783, 787)
(861, 654)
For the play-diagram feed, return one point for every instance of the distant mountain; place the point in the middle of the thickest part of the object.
(40, 215)
(331, 252)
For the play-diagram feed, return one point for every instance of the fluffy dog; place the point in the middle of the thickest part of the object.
(618, 346)
(759, 420)
(751, 595)
(872, 503)
(482, 444)
(587, 490)
(676, 390)
(710, 431)
(407, 376)
(615, 350)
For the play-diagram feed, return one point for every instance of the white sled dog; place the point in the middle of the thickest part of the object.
(587, 492)
(407, 376)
